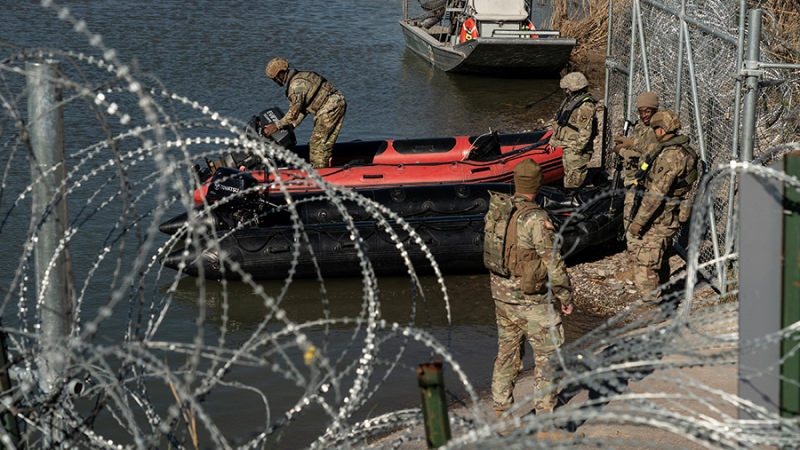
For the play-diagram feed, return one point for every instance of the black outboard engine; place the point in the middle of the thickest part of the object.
(239, 208)
(228, 182)
(284, 137)
(254, 130)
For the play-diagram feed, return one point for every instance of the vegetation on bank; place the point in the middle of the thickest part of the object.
(779, 27)
(781, 31)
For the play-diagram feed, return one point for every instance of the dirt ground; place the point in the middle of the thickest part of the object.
(600, 275)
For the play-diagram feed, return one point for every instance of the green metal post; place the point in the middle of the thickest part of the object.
(790, 302)
(434, 406)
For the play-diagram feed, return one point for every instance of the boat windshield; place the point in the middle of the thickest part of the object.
(499, 10)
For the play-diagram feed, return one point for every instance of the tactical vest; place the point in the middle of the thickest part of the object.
(569, 105)
(684, 184)
(319, 92)
(501, 254)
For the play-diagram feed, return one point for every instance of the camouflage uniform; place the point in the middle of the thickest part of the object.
(309, 92)
(577, 140)
(530, 316)
(644, 143)
(671, 175)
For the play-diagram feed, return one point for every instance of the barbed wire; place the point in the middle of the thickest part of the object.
(130, 381)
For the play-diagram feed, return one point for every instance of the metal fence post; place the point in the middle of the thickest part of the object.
(790, 300)
(434, 406)
(49, 211)
(751, 74)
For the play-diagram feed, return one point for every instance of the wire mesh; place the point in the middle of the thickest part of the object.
(693, 69)
(135, 377)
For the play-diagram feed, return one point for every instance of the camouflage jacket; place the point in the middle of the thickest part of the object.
(534, 231)
(644, 143)
(671, 175)
(307, 93)
(579, 132)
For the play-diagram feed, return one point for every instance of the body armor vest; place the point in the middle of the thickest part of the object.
(569, 105)
(684, 184)
(319, 92)
(502, 255)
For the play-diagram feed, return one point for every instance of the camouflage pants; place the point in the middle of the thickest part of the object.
(628, 205)
(649, 257)
(576, 166)
(327, 125)
(532, 322)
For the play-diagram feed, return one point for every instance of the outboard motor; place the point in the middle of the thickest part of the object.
(254, 130)
(228, 182)
(239, 208)
(284, 137)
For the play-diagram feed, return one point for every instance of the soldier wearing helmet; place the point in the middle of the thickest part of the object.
(575, 129)
(308, 92)
(669, 174)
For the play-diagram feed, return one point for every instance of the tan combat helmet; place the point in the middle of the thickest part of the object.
(574, 81)
(275, 65)
(666, 120)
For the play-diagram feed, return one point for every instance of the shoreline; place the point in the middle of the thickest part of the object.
(682, 390)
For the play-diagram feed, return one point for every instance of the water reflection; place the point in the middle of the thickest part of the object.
(452, 100)
(473, 333)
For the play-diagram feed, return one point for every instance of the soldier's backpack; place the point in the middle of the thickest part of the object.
(502, 256)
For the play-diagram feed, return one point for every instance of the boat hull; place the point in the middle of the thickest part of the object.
(519, 57)
(413, 162)
(448, 219)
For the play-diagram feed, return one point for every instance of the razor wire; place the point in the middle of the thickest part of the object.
(129, 387)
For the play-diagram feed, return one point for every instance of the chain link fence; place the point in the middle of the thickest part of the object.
(690, 54)
(133, 373)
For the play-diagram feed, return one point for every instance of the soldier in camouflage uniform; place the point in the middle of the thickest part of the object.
(634, 150)
(530, 316)
(309, 92)
(575, 128)
(669, 180)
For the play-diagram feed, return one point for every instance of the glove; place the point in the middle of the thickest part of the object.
(623, 142)
(635, 229)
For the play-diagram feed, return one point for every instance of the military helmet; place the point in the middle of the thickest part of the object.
(574, 81)
(275, 65)
(667, 120)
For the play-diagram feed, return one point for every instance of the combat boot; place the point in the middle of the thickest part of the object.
(553, 435)
(626, 275)
(508, 418)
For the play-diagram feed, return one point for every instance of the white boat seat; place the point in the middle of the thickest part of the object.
(499, 10)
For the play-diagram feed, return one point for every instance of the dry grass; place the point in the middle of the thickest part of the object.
(780, 28)
(591, 31)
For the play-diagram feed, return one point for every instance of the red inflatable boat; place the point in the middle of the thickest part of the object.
(488, 158)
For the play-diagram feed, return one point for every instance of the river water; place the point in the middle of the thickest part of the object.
(214, 52)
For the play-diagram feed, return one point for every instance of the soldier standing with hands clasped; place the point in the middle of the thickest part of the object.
(517, 250)
(667, 176)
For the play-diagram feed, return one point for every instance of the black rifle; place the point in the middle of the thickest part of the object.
(617, 177)
(638, 182)
(618, 169)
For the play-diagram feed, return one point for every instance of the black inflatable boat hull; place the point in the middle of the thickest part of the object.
(449, 220)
